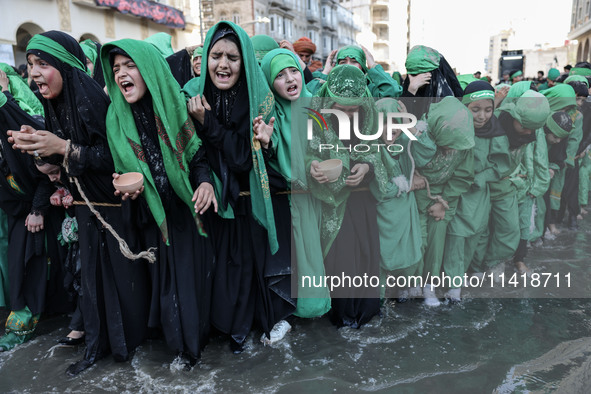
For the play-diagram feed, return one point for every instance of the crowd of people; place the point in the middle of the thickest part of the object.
(235, 205)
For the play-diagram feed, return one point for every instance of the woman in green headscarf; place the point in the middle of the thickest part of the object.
(449, 174)
(150, 132)
(379, 83)
(92, 51)
(285, 77)
(491, 163)
(349, 232)
(252, 230)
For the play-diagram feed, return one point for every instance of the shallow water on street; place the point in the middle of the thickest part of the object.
(482, 345)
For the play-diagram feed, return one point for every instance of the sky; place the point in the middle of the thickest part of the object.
(461, 29)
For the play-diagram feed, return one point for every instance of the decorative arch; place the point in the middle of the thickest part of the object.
(579, 52)
(23, 34)
(585, 56)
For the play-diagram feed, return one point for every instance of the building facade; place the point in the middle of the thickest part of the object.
(580, 29)
(100, 20)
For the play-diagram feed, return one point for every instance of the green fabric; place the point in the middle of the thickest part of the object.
(466, 79)
(4, 282)
(347, 84)
(353, 52)
(479, 95)
(556, 186)
(89, 48)
(556, 129)
(450, 124)
(534, 167)
(575, 137)
(561, 96)
(458, 255)
(162, 42)
(422, 59)
(262, 45)
(20, 326)
(23, 95)
(516, 74)
(3, 99)
(584, 71)
(584, 174)
(579, 78)
(56, 50)
(178, 139)
(553, 73)
(500, 86)
(518, 89)
(397, 77)
(262, 103)
(503, 239)
(531, 109)
(198, 52)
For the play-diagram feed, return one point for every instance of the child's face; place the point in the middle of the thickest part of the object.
(51, 170)
(288, 83)
(520, 129)
(48, 78)
(128, 78)
(482, 111)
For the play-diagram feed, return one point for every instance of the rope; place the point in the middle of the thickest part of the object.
(123, 247)
(97, 204)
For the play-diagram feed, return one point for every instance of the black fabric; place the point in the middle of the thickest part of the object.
(308, 76)
(443, 83)
(586, 112)
(515, 139)
(477, 86)
(491, 129)
(580, 88)
(97, 73)
(521, 251)
(569, 199)
(181, 66)
(557, 153)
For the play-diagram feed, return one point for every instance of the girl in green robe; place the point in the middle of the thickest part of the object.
(281, 68)
(491, 162)
(449, 174)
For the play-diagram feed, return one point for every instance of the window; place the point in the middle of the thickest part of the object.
(223, 16)
(236, 18)
(272, 23)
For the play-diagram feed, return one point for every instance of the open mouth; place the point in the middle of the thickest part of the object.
(223, 76)
(126, 86)
(292, 89)
(42, 87)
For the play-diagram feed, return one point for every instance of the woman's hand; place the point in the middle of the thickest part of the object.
(56, 199)
(368, 57)
(203, 197)
(357, 174)
(418, 182)
(500, 95)
(437, 210)
(38, 142)
(316, 173)
(418, 81)
(197, 106)
(34, 222)
(125, 196)
(329, 60)
(3, 81)
(263, 131)
(68, 201)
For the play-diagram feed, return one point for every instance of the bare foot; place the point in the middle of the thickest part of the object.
(584, 211)
(75, 334)
(553, 229)
(522, 268)
(579, 217)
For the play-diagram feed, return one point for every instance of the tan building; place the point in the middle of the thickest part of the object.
(497, 44)
(21, 19)
(580, 29)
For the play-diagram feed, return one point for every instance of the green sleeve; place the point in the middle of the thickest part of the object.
(498, 161)
(422, 150)
(381, 84)
(314, 85)
(461, 180)
(320, 75)
(539, 174)
(574, 139)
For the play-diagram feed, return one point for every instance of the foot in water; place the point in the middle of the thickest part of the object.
(430, 297)
(553, 229)
(522, 268)
(277, 333)
(453, 295)
(77, 367)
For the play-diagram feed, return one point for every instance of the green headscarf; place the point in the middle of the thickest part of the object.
(422, 59)
(517, 73)
(345, 85)
(466, 79)
(262, 45)
(500, 86)
(23, 95)
(46, 44)
(397, 77)
(560, 96)
(178, 139)
(584, 71)
(261, 103)
(531, 109)
(553, 74)
(353, 52)
(577, 78)
(274, 62)
(162, 42)
(89, 48)
(556, 129)
(450, 124)
(518, 88)
(198, 52)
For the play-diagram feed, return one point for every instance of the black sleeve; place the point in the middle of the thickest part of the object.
(308, 77)
(180, 66)
(199, 168)
(233, 141)
(89, 158)
(41, 198)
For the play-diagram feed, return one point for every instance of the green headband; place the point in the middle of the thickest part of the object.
(46, 44)
(516, 74)
(479, 95)
(198, 52)
(579, 78)
(555, 128)
(580, 71)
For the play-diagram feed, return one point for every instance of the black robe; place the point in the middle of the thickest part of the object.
(115, 290)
